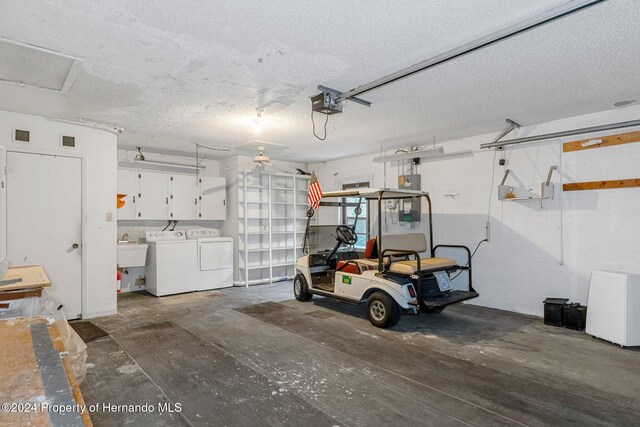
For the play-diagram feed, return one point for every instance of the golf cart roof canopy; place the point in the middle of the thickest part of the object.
(375, 193)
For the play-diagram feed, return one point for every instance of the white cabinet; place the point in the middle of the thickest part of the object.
(183, 199)
(128, 184)
(212, 200)
(165, 196)
(153, 195)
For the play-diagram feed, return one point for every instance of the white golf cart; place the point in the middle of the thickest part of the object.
(390, 276)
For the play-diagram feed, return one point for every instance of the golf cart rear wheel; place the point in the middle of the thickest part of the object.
(433, 310)
(382, 310)
(301, 289)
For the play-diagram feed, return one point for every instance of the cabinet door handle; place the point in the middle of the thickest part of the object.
(196, 201)
(166, 200)
(134, 199)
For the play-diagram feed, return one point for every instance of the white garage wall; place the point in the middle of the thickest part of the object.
(98, 150)
(534, 252)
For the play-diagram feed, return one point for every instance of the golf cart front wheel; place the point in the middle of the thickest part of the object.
(382, 310)
(301, 289)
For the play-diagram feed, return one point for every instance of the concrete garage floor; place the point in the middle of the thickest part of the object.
(256, 357)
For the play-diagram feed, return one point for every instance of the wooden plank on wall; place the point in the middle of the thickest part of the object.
(601, 185)
(606, 141)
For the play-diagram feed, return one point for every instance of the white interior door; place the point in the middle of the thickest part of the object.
(44, 221)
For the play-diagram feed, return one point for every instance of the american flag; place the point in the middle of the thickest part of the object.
(315, 192)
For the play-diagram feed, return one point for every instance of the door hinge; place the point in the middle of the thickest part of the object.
(139, 214)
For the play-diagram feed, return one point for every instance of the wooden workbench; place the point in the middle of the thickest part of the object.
(22, 380)
(23, 282)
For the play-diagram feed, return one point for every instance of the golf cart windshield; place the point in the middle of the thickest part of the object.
(322, 238)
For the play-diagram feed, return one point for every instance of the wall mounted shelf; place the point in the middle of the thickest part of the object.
(510, 193)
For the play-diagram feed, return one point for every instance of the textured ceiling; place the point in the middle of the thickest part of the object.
(172, 73)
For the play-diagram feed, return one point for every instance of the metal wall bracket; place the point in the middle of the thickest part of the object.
(510, 193)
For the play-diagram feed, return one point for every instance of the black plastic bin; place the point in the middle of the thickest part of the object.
(574, 316)
(553, 311)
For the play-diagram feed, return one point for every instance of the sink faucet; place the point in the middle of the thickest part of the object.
(125, 237)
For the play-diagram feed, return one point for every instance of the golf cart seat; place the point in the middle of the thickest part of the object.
(426, 264)
(412, 241)
(357, 266)
(416, 242)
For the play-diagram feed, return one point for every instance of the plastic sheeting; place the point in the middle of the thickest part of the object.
(50, 308)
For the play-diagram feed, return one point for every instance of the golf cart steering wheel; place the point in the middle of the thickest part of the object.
(345, 235)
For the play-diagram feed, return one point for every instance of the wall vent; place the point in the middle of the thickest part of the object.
(21, 135)
(68, 141)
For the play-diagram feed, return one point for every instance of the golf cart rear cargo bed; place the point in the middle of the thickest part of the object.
(451, 298)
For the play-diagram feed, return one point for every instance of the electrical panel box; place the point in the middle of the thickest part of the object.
(409, 209)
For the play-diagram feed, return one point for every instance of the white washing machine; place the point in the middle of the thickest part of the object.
(215, 258)
(172, 263)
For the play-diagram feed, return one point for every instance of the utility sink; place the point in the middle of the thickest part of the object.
(132, 254)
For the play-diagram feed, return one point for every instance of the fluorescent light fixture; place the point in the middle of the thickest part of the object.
(161, 163)
(428, 153)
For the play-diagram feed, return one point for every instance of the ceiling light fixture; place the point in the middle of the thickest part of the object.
(141, 159)
(257, 122)
(427, 152)
(163, 163)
